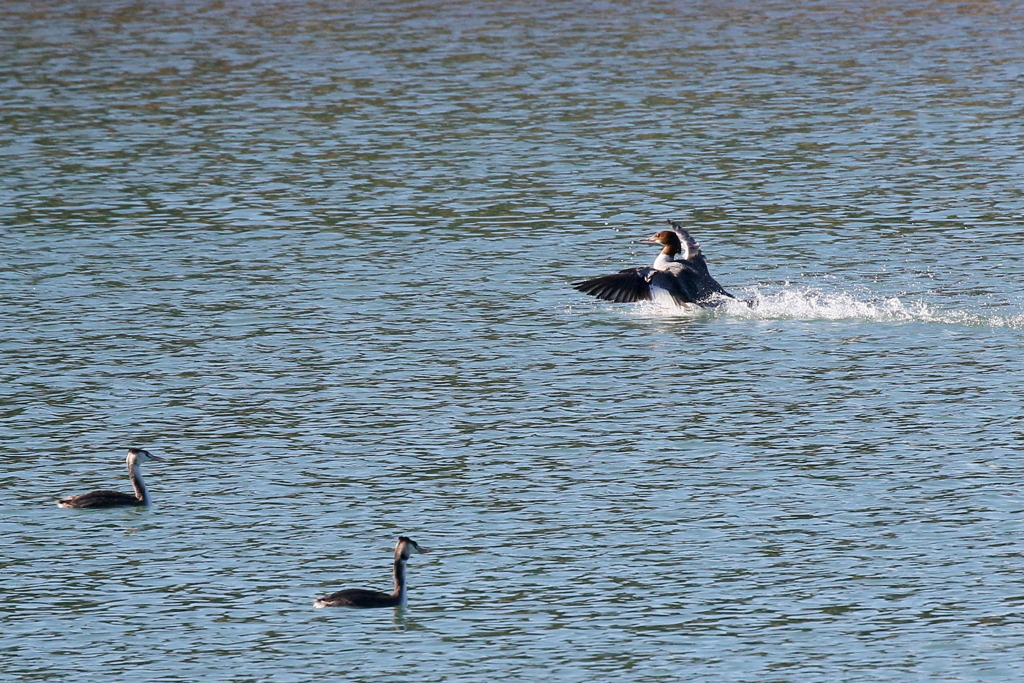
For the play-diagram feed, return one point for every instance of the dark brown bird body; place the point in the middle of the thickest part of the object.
(361, 597)
(113, 499)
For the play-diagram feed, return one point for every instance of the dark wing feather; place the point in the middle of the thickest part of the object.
(706, 287)
(693, 278)
(625, 286)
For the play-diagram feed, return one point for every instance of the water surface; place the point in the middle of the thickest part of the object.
(318, 256)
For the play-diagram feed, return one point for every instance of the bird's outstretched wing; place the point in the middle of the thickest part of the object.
(636, 284)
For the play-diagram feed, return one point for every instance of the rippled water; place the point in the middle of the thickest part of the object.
(318, 257)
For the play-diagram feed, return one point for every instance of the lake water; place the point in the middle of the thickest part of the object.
(318, 256)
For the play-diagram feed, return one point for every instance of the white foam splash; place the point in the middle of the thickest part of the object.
(806, 303)
(809, 304)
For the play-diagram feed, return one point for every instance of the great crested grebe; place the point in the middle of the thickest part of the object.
(113, 499)
(360, 597)
(682, 280)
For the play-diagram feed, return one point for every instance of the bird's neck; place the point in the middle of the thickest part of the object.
(664, 258)
(399, 591)
(137, 483)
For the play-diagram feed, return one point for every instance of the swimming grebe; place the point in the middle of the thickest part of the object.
(360, 597)
(683, 280)
(113, 499)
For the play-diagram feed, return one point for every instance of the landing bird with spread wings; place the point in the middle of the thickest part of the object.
(679, 276)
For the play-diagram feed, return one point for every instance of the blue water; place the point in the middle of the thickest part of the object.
(319, 258)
